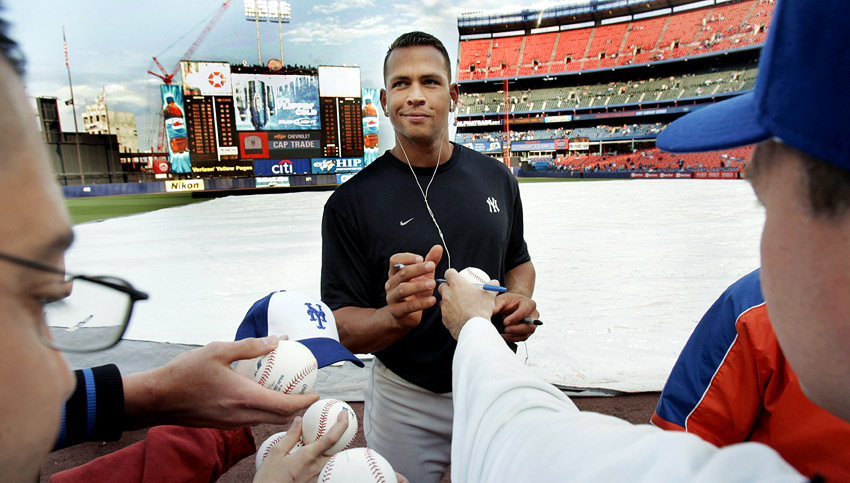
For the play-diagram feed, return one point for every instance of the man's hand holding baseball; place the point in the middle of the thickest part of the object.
(463, 301)
(305, 464)
(199, 388)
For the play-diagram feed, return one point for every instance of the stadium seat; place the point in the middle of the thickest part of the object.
(725, 26)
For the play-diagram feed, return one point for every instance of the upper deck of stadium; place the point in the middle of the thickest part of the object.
(604, 35)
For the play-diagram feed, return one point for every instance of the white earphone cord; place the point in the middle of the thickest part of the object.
(428, 206)
(425, 192)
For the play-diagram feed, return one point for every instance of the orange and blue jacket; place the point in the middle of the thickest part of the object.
(732, 384)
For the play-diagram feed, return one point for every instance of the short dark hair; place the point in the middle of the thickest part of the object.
(417, 39)
(828, 187)
(10, 50)
(825, 186)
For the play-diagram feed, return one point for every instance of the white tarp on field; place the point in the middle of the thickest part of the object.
(625, 268)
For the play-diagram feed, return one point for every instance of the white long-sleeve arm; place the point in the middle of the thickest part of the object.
(509, 425)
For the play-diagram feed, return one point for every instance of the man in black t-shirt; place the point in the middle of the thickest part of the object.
(421, 208)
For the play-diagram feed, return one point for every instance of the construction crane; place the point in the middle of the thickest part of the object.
(168, 78)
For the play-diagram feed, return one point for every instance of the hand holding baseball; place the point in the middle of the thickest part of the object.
(318, 419)
(289, 368)
(410, 289)
(463, 301)
(199, 388)
(305, 464)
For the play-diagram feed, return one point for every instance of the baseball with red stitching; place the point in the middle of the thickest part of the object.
(475, 275)
(319, 418)
(358, 465)
(270, 443)
(289, 368)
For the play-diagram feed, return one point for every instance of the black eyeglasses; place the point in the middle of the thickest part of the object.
(87, 313)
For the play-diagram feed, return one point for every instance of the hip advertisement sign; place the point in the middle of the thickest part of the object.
(337, 165)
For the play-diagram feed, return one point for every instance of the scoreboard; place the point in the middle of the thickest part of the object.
(350, 126)
(330, 136)
(241, 120)
(342, 127)
(201, 126)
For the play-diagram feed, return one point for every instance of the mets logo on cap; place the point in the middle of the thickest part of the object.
(302, 318)
(317, 314)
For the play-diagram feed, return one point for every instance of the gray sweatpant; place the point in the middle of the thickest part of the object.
(410, 426)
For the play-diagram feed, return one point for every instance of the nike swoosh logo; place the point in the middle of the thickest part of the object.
(402, 223)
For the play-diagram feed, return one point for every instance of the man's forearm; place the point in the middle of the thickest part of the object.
(520, 279)
(143, 404)
(364, 330)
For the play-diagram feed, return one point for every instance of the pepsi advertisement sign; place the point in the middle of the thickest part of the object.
(337, 165)
(281, 167)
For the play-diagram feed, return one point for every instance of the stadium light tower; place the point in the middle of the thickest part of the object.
(282, 12)
(265, 11)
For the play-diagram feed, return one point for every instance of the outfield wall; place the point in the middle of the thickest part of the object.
(629, 174)
(197, 184)
(227, 184)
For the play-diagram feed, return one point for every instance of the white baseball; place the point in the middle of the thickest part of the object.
(289, 368)
(475, 275)
(270, 443)
(358, 465)
(319, 418)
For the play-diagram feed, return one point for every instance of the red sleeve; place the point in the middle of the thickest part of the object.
(168, 453)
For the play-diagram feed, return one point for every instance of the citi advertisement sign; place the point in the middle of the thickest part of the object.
(280, 167)
(337, 165)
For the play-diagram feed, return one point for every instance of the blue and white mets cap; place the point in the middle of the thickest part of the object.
(300, 317)
(802, 91)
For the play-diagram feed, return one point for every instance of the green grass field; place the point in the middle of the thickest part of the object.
(101, 208)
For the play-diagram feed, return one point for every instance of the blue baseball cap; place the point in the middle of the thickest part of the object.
(802, 92)
(300, 317)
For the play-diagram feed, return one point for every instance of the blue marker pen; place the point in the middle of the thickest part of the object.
(484, 286)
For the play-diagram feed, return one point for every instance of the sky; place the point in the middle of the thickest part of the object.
(111, 44)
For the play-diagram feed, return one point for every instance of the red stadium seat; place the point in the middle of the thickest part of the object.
(724, 26)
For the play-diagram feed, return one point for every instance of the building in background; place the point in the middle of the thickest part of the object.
(122, 124)
(98, 161)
